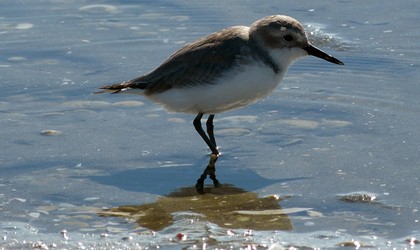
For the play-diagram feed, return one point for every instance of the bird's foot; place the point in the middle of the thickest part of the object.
(211, 172)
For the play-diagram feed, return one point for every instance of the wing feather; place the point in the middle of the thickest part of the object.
(199, 62)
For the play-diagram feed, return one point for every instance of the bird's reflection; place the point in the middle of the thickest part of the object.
(227, 206)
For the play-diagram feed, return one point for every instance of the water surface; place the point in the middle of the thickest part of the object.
(327, 133)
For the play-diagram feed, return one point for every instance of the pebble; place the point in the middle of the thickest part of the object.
(91, 198)
(18, 199)
(335, 123)
(34, 214)
(16, 58)
(87, 104)
(24, 26)
(239, 119)
(99, 8)
(358, 197)
(176, 120)
(128, 104)
(305, 124)
(50, 132)
(233, 131)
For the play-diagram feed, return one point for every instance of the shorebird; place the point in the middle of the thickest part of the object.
(222, 71)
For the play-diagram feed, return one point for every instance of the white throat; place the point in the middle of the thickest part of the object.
(285, 57)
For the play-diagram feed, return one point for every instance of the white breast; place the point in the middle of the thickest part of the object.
(238, 88)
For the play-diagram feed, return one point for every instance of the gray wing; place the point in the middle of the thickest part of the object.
(196, 63)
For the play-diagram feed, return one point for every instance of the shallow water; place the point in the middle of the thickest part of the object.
(328, 134)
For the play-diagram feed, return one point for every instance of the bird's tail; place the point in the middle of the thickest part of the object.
(113, 88)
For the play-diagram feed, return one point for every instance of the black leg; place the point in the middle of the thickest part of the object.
(211, 143)
(211, 172)
(210, 126)
(200, 131)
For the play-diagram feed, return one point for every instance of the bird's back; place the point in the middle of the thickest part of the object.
(199, 62)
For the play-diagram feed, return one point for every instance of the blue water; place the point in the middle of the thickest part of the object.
(327, 131)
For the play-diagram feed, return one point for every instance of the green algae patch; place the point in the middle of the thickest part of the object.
(226, 206)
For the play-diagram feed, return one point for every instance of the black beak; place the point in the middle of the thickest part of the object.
(314, 51)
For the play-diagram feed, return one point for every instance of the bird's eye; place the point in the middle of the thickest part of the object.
(288, 38)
